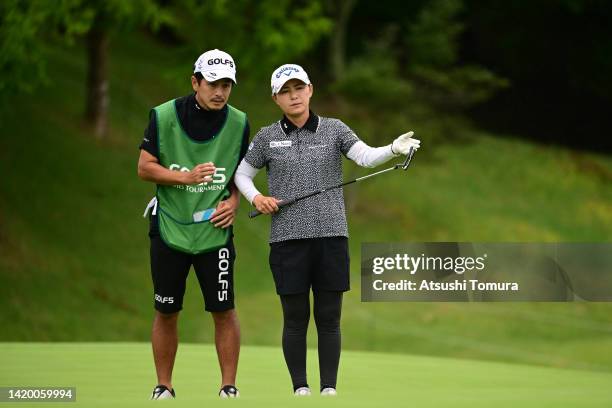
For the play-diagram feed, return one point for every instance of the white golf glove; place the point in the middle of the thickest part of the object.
(403, 143)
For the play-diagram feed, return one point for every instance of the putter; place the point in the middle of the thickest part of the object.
(289, 201)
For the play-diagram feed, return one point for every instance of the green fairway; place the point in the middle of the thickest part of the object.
(121, 375)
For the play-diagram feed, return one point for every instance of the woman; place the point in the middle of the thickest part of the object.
(308, 242)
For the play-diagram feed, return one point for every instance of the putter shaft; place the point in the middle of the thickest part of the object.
(284, 203)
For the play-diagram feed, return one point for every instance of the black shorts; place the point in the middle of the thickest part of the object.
(322, 263)
(214, 269)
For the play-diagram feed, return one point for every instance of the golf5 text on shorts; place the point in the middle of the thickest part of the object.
(322, 263)
(214, 269)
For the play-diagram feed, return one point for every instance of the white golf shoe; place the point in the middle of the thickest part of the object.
(302, 392)
(161, 392)
(328, 392)
(229, 391)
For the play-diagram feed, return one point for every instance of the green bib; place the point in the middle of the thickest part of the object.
(182, 209)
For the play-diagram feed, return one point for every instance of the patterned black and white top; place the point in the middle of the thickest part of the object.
(299, 161)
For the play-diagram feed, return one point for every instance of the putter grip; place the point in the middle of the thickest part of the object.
(254, 214)
(281, 204)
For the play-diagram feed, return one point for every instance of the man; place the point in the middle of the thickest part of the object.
(302, 153)
(190, 150)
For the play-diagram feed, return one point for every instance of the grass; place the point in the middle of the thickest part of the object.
(74, 250)
(122, 375)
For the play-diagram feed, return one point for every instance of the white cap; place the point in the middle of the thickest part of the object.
(286, 72)
(216, 64)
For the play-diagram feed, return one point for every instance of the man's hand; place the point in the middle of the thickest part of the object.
(226, 210)
(202, 173)
(265, 205)
(225, 213)
(403, 143)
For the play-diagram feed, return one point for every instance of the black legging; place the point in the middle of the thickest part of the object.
(296, 314)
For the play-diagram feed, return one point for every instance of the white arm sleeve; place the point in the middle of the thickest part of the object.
(367, 156)
(244, 180)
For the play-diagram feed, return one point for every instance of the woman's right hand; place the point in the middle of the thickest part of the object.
(266, 205)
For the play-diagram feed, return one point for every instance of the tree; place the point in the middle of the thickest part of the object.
(24, 26)
(340, 11)
(27, 24)
(433, 60)
(110, 16)
(261, 34)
